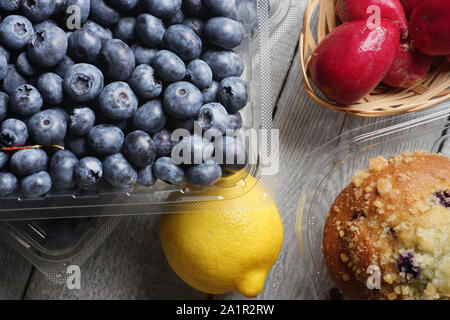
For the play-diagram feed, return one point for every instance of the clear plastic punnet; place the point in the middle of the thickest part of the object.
(259, 19)
(329, 169)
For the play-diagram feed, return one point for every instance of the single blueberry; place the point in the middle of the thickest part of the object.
(99, 31)
(199, 73)
(15, 32)
(9, 5)
(169, 66)
(195, 7)
(38, 10)
(150, 30)
(84, 45)
(162, 8)
(125, 5)
(235, 123)
(4, 52)
(48, 127)
(26, 101)
(105, 139)
(118, 171)
(183, 41)
(444, 197)
(166, 170)
(230, 153)
(25, 67)
(84, 7)
(233, 94)
(196, 24)
(182, 100)
(63, 66)
(178, 18)
(103, 13)
(124, 30)
(193, 149)
(13, 133)
(117, 101)
(224, 63)
(36, 185)
(144, 82)
(82, 120)
(4, 98)
(28, 161)
(78, 145)
(62, 166)
(48, 46)
(214, 116)
(139, 149)
(407, 266)
(88, 172)
(4, 158)
(46, 23)
(118, 60)
(83, 82)
(145, 176)
(143, 55)
(8, 183)
(163, 143)
(205, 174)
(222, 8)
(210, 94)
(150, 117)
(12, 80)
(223, 32)
(50, 85)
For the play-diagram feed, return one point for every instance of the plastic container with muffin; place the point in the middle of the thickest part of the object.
(374, 218)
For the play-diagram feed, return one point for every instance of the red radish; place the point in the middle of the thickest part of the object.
(430, 27)
(349, 10)
(408, 67)
(352, 60)
(409, 6)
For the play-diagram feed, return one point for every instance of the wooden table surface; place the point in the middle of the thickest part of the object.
(131, 265)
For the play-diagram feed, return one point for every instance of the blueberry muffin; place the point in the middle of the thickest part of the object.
(387, 235)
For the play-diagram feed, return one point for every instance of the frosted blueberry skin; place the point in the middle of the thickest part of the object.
(4, 158)
(444, 197)
(124, 30)
(182, 100)
(15, 32)
(166, 170)
(169, 66)
(139, 149)
(125, 5)
(9, 5)
(199, 73)
(213, 116)
(26, 101)
(88, 173)
(3, 67)
(12, 80)
(117, 59)
(83, 82)
(143, 55)
(194, 149)
(224, 63)
(62, 167)
(99, 31)
(205, 174)
(118, 171)
(210, 94)
(150, 117)
(163, 142)
(84, 45)
(103, 13)
(48, 46)
(178, 18)
(222, 8)
(145, 176)
(117, 101)
(224, 32)
(184, 42)
(25, 67)
(38, 10)
(196, 24)
(105, 139)
(50, 85)
(230, 148)
(195, 7)
(145, 83)
(4, 100)
(29, 161)
(5, 53)
(8, 183)
(48, 127)
(78, 145)
(233, 94)
(63, 66)
(13, 133)
(235, 123)
(81, 121)
(150, 30)
(36, 185)
(407, 266)
(162, 8)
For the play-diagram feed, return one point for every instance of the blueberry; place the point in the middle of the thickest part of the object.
(150, 30)
(4, 98)
(82, 120)
(117, 101)
(162, 8)
(8, 183)
(183, 41)
(182, 100)
(139, 149)
(196, 24)
(83, 5)
(194, 7)
(230, 153)
(83, 82)
(88, 173)
(48, 46)
(145, 176)
(15, 32)
(143, 55)
(444, 197)
(124, 30)
(48, 127)
(36, 185)
(26, 101)
(50, 86)
(46, 23)
(84, 45)
(199, 73)
(24, 66)
(99, 31)
(150, 117)
(4, 158)
(222, 8)
(118, 60)
(407, 266)
(103, 13)
(13, 133)
(166, 170)
(233, 94)
(4, 52)
(28, 161)
(78, 145)
(163, 142)
(224, 63)
(12, 80)
(169, 66)
(125, 4)
(193, 149)
(178, 18)
(62, 167)
(38, 10)
(205, 174)
(224, 32)
(144, 82)
(118, 171)
(9, 5)
(210, 94)
(105, 139)
(214, 116)
(235, 122)
(63, 66)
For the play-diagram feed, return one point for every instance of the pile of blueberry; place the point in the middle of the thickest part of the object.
(81, 107)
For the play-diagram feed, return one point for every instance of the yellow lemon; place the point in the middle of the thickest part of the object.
(225, 249)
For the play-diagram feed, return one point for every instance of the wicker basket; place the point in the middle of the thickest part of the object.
(383, 100)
